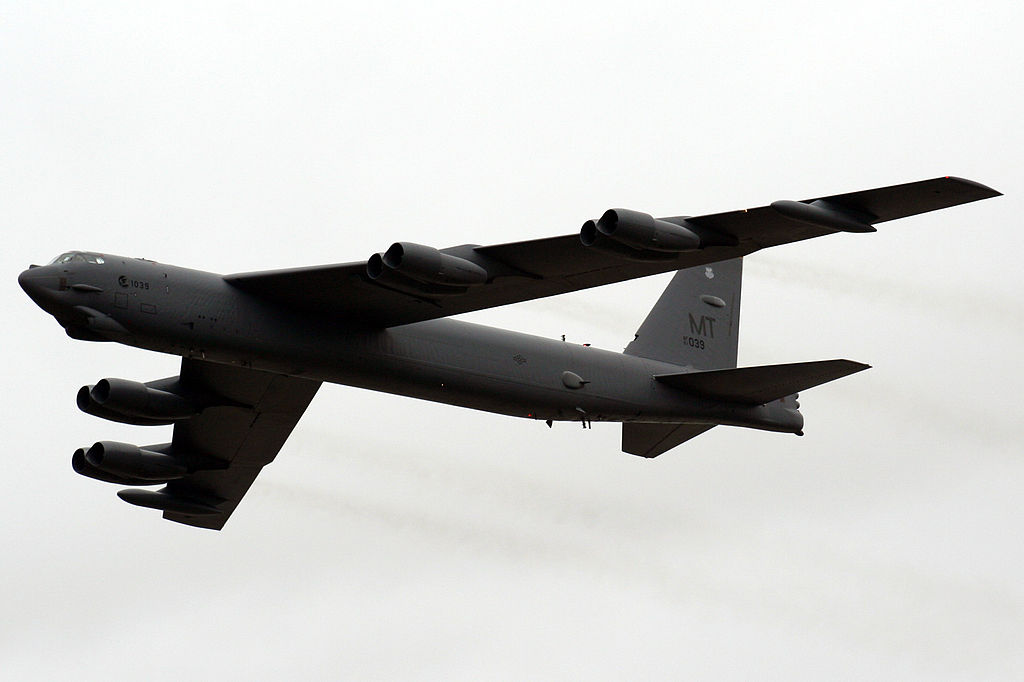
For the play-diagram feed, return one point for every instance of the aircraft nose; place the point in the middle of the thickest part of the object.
(30, 279)
(40, 283)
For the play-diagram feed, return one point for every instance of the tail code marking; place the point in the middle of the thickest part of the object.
(705, 328)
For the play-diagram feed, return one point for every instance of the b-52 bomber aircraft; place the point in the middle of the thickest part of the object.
(256, 346)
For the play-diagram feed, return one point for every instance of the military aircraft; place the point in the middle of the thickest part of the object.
(256, 346)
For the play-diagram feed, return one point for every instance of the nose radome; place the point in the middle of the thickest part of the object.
(29, 279)
(40, 283)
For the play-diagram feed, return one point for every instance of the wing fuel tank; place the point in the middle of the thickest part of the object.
(822, 213)
(165, 501)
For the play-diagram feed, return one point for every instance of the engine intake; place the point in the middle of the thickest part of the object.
(425, 264)
(639, 231)
(133, 402)
(81, 466)
(132, 462)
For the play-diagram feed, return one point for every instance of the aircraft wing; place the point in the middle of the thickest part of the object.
(522, 271)
(246, 437)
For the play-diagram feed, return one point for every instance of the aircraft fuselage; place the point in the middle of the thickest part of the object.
(196, 314)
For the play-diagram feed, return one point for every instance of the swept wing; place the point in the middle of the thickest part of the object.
(241, 438)
(522, 271)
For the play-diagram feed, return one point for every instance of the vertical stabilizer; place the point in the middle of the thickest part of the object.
(696, 322)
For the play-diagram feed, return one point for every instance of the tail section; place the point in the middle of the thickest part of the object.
(755, 397)
(696, 322)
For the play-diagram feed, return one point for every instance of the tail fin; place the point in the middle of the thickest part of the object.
(696, 322)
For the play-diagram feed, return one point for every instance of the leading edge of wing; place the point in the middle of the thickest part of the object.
(527, 270)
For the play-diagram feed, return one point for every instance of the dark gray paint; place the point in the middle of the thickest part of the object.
(700, 299)
(256, 346)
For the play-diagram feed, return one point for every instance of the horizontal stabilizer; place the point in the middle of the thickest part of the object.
(760, 385)
(650, 440)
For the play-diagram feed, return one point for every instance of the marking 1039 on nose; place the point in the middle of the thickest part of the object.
(125, 282)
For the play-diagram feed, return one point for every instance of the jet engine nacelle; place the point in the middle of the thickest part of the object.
(133, 402)
(425, 264)
(132, 462)
(81, 466)
(639, 231)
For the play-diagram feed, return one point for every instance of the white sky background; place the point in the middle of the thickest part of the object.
(395, 539)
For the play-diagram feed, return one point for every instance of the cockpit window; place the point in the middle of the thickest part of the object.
(77, 257)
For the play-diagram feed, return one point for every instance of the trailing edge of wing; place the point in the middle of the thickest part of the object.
(760, 385)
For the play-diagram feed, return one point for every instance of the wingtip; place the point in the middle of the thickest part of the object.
(984, 190)
(851, 366)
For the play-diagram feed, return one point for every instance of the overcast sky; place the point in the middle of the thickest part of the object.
(396, 539)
